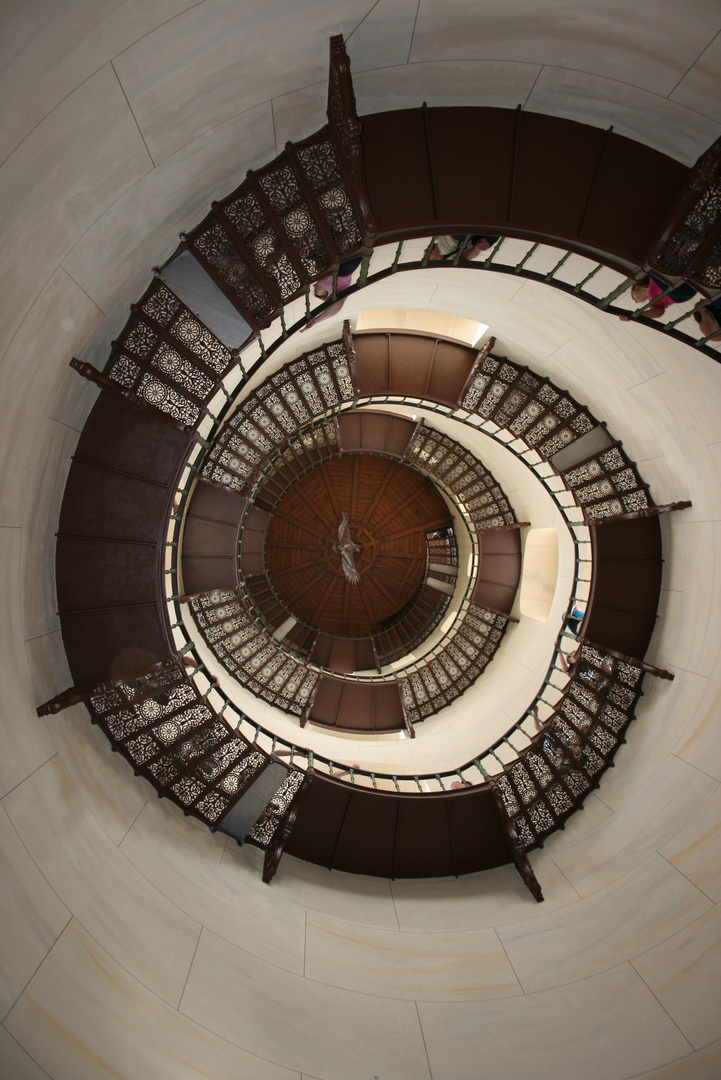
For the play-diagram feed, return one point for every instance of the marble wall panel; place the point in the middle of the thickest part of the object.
(683, 973)
(649, 819)
(140, 228)
(699, 743)
(695, 848)
(608, 927)
(124, 912)
(71, 166)
(588, 1028)
(298, 114)
(208, 64)
(487, 82)
(383, 36)
(654, 55)
(60, 47)
(239, 914)
(25, 741)
(700, 88)
(31, 373)
(114, 1027)
(695, 382)
(319, 1029)
(33, 916)
(18, 1064)
(418, 966)
(703, 1065)
(594, 99)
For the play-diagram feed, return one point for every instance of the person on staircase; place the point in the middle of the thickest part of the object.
(650, 290)
(324, 288)
(445, 247)
(553, 752)
(709, 319)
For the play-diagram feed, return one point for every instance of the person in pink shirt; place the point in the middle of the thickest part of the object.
(323, 289)
(650, 291)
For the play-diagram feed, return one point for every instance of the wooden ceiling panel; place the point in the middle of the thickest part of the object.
(389, 508)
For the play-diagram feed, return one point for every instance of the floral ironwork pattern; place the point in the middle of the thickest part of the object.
(690, 246)
(260, 426)
(470, 483)
(167, 357)
(240, 641)
(553, 776)
(527, 405)
(441, 679)
(171, 735)
(607, 484)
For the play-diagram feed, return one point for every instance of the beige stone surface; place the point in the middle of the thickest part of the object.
(651, 53)
(244, 1001)
(650, 818)
(442, 966)
(590, 1027)
(33, 916)
(65, 173)
(16, 1062)
(601, 931)
(85, 993)
(682, 972)
(206, 66)
(64, 49)
(125, 914)
(287, 970)
(226, 906)
(695, 848)
(700, 88)
(25, 742)
(704, 1065)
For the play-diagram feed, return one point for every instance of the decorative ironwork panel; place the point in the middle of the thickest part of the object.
(607, 484)
(246, 214)
(163, 397)
(216, 249)
(322, 171)
(267, 824)
(694, 220)
(284, 194)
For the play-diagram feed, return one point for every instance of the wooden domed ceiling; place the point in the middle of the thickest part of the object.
(389, 507)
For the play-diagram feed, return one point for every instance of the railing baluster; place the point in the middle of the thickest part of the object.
(519, 266)
(559, 264)
(622, 288)
(427, 252)
(493, 252)
(363, 276)
(577, 288)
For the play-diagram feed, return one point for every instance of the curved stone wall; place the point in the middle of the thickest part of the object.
(134, 945)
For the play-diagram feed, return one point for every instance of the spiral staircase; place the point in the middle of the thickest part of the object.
(169, 503)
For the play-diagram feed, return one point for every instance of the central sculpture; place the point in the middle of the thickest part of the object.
(345, 547)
